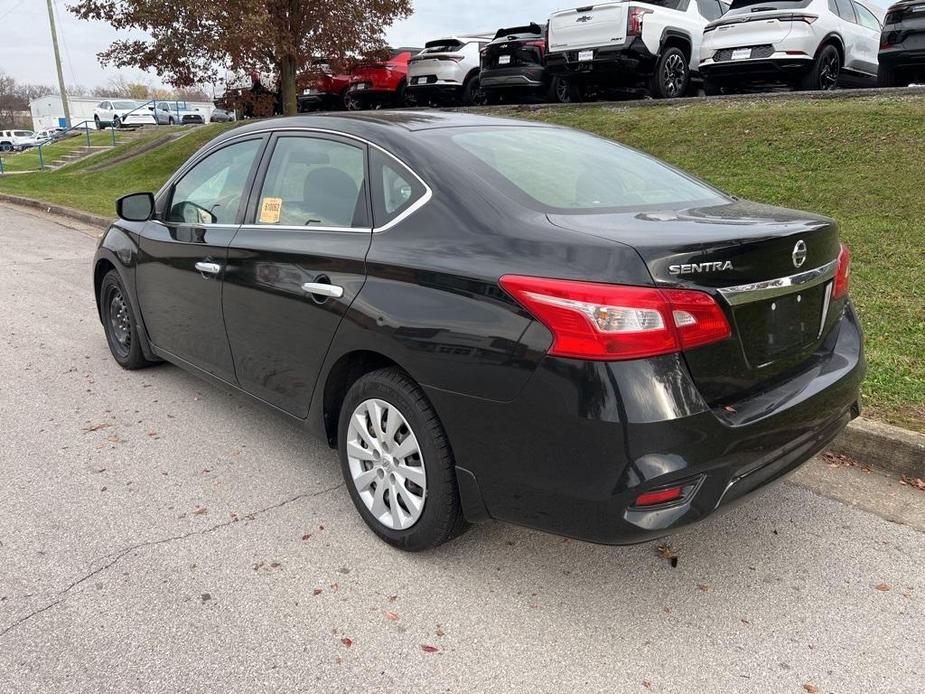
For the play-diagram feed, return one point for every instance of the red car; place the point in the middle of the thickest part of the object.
(326, 91)
(380, 84)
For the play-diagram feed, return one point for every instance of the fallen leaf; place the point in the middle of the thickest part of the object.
(317, 591)
(882, 587)
(334, 587)
(347, 642)
(393, 598)
(665, 551)
(703, 586)
(201, 512)
(391, 616)
(306, 536)
(205, 597)
(811, 688)
(440, 631)
(647, 684)
(429, 649)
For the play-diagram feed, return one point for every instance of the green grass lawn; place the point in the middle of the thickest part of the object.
(29, 159)
(97, 191)
(859, 160)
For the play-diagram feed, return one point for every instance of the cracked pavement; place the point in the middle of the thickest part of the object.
(161, 535)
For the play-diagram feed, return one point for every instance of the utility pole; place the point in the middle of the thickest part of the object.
(54, 42)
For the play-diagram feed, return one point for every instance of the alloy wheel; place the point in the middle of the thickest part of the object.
(563, 92)
(828, 72)
(386, 464)
(674, 75)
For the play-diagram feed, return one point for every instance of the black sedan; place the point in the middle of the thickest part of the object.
(492, 319)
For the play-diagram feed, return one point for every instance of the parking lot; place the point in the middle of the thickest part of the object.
(160, 535)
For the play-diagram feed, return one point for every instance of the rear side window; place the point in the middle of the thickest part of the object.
(314, 182)
(846, 11)
(395, 189)
(709, 9)
(211, 192)
(865, 17)
(565, 170)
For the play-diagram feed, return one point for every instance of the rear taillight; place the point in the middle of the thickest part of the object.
(842, 273)
(634, 20)
(615, 322)
(808, 18)
(538, 43)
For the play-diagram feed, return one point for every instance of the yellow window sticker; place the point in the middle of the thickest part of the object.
(270, 210)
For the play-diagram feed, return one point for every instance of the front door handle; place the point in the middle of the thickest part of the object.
(208, 268)
(323, 289)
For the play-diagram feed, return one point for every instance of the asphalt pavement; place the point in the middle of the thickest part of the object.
(158, 534)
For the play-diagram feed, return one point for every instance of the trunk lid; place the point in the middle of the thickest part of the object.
(777, 329)
(592, 26)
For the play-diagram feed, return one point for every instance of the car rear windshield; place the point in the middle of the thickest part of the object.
(447, 46)
(769, 5)
(560, 170)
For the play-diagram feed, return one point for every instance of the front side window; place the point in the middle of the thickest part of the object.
(211, 192)
(556, 169)
(866, 18)
(314, 182)
(395, 188)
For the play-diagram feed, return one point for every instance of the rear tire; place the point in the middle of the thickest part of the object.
(384, 486)
(567, 92)
(672, 76)
(472, 94)
(119, 324)
(825, 72)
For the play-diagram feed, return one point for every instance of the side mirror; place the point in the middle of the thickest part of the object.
(137, 207)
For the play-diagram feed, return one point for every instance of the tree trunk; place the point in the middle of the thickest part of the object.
(287, 86)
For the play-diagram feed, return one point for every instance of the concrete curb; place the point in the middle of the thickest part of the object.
(60, 210)
(884, 446)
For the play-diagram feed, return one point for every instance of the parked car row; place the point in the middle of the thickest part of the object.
(124, 112)
(665, 47)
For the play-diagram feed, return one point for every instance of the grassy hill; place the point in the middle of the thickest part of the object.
(859, 160)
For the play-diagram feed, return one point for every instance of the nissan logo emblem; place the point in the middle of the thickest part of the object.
(799, 254)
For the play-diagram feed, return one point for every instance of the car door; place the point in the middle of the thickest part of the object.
(296, 265)
(104, 113)
(869, 30)
(849, 30)
(182, 255)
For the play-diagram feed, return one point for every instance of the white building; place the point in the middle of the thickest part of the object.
(48, 111)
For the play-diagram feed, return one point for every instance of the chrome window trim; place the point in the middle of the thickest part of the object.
(307, 227)
(418, 204)
(768, 289)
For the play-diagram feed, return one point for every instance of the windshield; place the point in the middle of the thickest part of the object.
(124, 104)
(567, 170)
(447, 46)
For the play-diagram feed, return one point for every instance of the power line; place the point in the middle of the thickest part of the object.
(12, 9)
(67, 51)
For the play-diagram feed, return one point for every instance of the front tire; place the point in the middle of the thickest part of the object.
(567, 92)
(397, 463)
(119, 323)
(824, 74)
(672, 76)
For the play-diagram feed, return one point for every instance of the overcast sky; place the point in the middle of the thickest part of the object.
(25, 41)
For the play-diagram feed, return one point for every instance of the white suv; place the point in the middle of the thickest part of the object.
(447, 69)
(624, 44)
(809, 44)
(17, 140)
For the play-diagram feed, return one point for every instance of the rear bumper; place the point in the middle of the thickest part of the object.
(572, 453)
(624, 64)
(774, 69)
(525, 77)
(899, 57)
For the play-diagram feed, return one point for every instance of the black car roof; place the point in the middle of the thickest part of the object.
(372, 123)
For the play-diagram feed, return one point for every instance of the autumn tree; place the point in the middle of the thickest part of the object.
(194, 41)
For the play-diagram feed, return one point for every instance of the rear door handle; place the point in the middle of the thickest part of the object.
(208, 268)
(323, 289)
